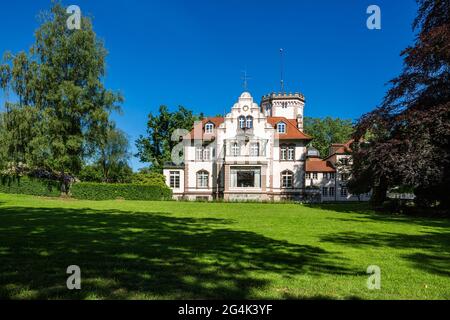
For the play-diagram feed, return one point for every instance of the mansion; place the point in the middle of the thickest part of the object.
(259, 153)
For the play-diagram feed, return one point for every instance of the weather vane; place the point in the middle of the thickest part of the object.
(245, 79)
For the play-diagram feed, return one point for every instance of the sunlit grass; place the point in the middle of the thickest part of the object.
(171, 250)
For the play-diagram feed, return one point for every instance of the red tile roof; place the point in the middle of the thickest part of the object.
(292, 132)
(341, 148)
(198, 132)
(318, 165)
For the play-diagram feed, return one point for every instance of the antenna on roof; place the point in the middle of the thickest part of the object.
(282, 69)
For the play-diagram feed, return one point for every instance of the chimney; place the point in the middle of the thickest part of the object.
(300, 122)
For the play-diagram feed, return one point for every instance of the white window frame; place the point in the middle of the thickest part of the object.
(255, 149)
(281, 127)
(199, 153)
(249, 122)
(202, 179)
(291, 153)
(241, 122)
(209, 128)
(287, 176)
(206, 154)
(174, 179)
(235, 149)
(283, 152)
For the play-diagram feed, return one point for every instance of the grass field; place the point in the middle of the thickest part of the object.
(170, 250)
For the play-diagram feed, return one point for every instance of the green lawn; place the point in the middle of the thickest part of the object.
(167, 250)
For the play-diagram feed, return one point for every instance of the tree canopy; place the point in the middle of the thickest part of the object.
(328, 131)
(156, 147)
(61, 100)
(408, 135)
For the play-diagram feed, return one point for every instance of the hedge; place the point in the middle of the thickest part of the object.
(29, 186)
(103, 191)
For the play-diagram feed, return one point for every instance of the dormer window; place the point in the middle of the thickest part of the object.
(281, 127)
(209, 128)
(249, 122)
(242, 122)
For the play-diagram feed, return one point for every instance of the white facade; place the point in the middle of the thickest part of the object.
(254, 153)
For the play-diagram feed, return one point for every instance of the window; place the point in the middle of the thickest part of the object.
(332, 175)
(245, 177)
(235, 150)
(329, 175)
(242, 122)
(281, 127)
(325, 192)
(344, 161)
(315, 176)
(175, 179)
(202, 179)
(287, 180)
(206, 154)
(199, 154)
(249, 122)
(344, 192)
(209, 128)
(308, 175)
(254, 149)
(283, 152)
(291, 153)
(202, 154)
(332, 193)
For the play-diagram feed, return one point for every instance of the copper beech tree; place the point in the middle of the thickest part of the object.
(407, 137)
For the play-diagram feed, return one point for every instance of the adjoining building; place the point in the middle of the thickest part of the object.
(258, 153)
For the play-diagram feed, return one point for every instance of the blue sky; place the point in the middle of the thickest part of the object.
(192, 53)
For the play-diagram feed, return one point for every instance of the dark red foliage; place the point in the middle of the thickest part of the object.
(409, 133)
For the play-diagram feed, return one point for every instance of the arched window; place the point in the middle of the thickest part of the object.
(249, 122)
(287, 179)
(242, 122)
(209, 127)
(281, 127)
(202, 179)
(283, 152)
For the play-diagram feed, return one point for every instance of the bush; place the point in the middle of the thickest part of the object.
(103, 191)
(149, 178)
(29, 186)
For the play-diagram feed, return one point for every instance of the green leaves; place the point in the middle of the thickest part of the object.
(61, 98)
(328, 131)
(157, 146)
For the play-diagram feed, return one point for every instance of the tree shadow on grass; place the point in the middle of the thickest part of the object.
(436, 244)
(125, 255)
(364, 213)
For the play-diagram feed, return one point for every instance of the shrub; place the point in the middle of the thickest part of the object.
(29, 186)
(103, 191)
(149, 178)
